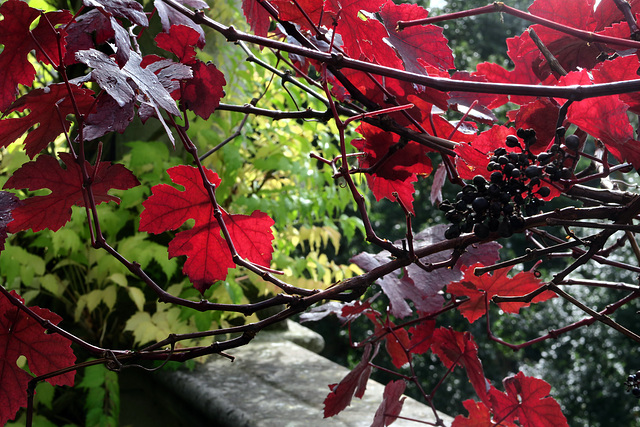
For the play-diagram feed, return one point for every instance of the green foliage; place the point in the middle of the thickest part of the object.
(103, 396)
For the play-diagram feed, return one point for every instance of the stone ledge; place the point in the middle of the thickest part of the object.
(278, 384)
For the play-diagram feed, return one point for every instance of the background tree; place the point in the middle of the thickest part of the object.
(480, 38)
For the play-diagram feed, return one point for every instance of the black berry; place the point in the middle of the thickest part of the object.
(572, 142)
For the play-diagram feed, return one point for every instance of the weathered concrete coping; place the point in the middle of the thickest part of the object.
(274, 382)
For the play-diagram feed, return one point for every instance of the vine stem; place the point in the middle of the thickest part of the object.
(500, 7)
(346, 175)
(50, 327)
(555, 333)
(575, 92)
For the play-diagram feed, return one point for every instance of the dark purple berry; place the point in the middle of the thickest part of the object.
(452, 232)
(480, 204)
(496, 177)
(512, 141)
(572, 142)
(493, 190)
(508, 168)
(445, 206)
(466, 226)
(544, 158)
(533, 171)
(479, 181)
(544, 191)
(453, 216)
(507, 209)
(469, 189)
(481, 230)
(495, 208)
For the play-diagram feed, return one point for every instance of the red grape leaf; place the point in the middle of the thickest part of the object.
(123, 42)
(8, 202)
(397, 290)
(524, 54)
(41, 104)
(537, 115)
(353, 310)
(572, 13)
(170, 75)
(571, 52)
(391, 404)
(617, 70)
(527, 400)
(353, 384)
(366, 37)
(208, 255)
(203, 92)
(608, 13)
(421, 336)
(361, 33)
(459, 349)
(180, 41)
(398, 171)
(494, 284)
(397, 341)
(47, 37)
(424, 42)
(54, 210)
(15, 67)
(21, 335)
(479, 416)
(314, 9)
(604, 118)
(473, 157)
(257, 17)
(169, 16)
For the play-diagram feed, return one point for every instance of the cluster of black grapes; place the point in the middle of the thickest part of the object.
(633, 384)
(514, 188)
